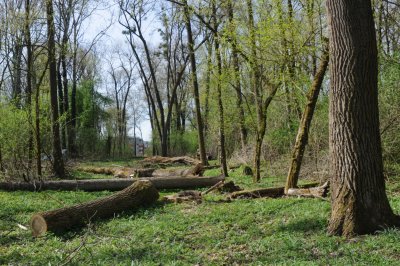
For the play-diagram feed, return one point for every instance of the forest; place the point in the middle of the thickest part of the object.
(199, 132)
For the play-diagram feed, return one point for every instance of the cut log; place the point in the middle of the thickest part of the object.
(139, 194)
(113, 184)
(120, 172)
(229, 187)
(171, 160)
(258, 193)
(127, 172)
(314, 192)
(184, 196)
(196, 170)
(275, 192)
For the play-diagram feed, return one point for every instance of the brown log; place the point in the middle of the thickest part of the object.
(184, 196)
(171, 160)
(113, 184)
(314, 192)
(274, 192)
(259, 193)
(140, 193)
(126, 172)
(196, 170)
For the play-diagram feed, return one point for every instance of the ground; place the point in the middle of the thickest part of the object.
(286, 231)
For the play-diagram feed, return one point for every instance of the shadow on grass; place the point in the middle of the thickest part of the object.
(304, 225)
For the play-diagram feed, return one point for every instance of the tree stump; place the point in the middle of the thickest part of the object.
(138, 194)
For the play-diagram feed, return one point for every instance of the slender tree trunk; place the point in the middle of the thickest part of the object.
(73, 123)
(359, 201)
(200, 129)
(58, 163)
(16, 73)
(256, 84)
(37, 133)
(237, 82)
(305, 123)
(29, 62)
(207, 89)
(61, 104)
(1, 162)
(221, 118)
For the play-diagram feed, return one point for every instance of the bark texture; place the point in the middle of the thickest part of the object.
(305, 123)
(136, 195)
(58, 163)
(115, 184)
(196, 95)
(359, 201)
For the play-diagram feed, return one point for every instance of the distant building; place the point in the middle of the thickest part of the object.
(141, 145)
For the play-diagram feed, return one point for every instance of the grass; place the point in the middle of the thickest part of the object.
(282, 231)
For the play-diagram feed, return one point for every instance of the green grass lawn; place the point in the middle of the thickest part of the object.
(286, 231)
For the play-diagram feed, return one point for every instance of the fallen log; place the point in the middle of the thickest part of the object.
(127, 172)
(140, 193)
(196, 170)
(113, 184)
(171, 160)
(121, 172)
(184, 196)
(258, 193)
(275, 192)
(314, 192)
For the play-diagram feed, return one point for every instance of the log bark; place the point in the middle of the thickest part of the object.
(196, 170)
(140, 193)
(126, 172)
(312, 192)
(113, 184)
(275, 192)
(171, 160)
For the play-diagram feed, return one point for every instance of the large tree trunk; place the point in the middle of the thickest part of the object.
(359, 201)
(305, 123)
(200, 127)
(58, 163)
(139, 194)
(114, 184)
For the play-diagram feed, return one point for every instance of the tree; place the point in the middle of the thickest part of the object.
(359, 201)
(191, 48)
(58, 163)
(305, 123)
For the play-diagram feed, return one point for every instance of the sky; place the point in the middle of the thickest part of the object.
(107, 17)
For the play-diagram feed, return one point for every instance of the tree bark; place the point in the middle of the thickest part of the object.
(359, 201)
(29, 69)
(221, 118)
(138, 194)
(274, 192)
(114, 184)
(305, 123)
(200, 127)
(58, 163)
(237, 81)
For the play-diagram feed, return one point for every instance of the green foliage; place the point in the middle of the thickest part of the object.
(389, 103)
(14, 139)
(91, 112)
(183, 143)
